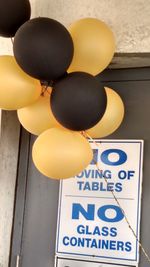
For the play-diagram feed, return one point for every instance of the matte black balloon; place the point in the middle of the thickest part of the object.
(78, 101)
(13, 13)
(43, 48)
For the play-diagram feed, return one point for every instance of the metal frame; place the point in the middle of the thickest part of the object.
(109, 75)
(16, 245)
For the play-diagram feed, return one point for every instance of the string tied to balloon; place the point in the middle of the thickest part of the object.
(12, 40)
(46, 84)
(44, 89)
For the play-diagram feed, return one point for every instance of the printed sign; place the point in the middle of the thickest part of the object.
(78, 263)
(90, 221)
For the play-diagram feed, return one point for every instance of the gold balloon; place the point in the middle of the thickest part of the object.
(17, 89)
(60, 153)
(112, 117)
(38, 117)
(94, 46)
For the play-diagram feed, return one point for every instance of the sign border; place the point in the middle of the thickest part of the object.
(90, 261)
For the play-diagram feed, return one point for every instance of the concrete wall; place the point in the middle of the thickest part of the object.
(9, 144)
(129, 21)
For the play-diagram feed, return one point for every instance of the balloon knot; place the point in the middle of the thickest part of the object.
(51, 83)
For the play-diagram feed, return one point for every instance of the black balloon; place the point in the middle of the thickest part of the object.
(13, 13)
(43, 48)
(78, 101)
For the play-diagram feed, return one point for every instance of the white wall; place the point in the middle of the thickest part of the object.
(130, 22)
(0, 121)
(128, 19)
(9, 144)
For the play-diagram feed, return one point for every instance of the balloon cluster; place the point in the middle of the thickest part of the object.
(51, 83)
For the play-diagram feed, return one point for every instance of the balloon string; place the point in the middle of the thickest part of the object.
(85, 134)
(12, 40)
(44, 89)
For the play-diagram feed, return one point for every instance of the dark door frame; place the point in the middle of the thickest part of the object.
(20, 197)
(109, 75)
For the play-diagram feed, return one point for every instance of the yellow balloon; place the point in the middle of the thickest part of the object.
(60, 153)
(112, 117)
(38, 117)
(94, 46)
(17, 89)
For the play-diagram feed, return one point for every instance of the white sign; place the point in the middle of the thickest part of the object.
(78, 263)
(90, 222)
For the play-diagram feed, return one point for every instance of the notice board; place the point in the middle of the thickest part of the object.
(91, 224)
(62, 262)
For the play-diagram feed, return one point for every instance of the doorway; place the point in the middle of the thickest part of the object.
(34, 231)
